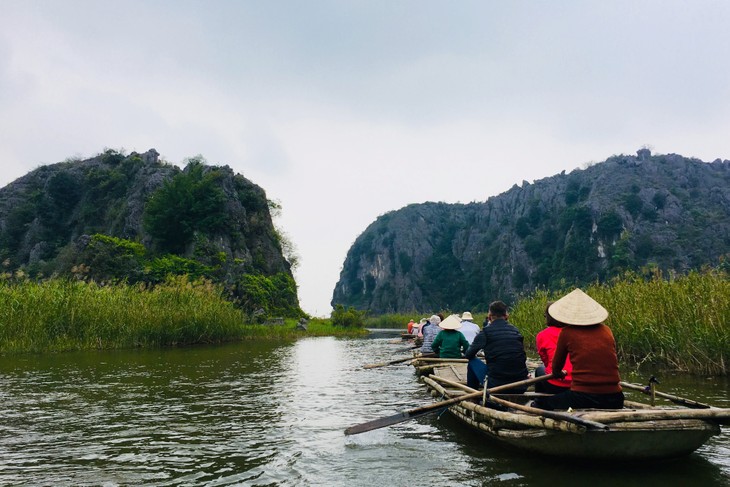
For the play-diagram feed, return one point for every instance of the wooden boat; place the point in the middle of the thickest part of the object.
(638, 432)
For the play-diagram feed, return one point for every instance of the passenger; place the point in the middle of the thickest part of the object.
(504, 352)
(450, 342)
(546, 341)
(429, 331)
(410, 327)
(592, 350)
(418, 329)
(468, 328)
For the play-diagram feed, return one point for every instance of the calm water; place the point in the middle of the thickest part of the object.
(273, 414)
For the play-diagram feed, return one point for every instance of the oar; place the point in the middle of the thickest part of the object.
(675, 399)
(528, 409)
(431, 408)
(550, 414)
(398, 361)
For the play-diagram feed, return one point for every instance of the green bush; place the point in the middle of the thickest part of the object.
(191, 201)
(347, 318)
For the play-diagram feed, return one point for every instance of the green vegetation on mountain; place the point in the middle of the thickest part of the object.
(133, 219)
(627, 213)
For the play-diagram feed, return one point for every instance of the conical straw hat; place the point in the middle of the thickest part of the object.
(577, 308)
(453, 322)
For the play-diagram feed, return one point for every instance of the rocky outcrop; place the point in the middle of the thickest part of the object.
(48, 216)
(627, 213)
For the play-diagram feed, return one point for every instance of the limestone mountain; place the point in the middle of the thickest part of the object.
(647, 211)
(135, 218)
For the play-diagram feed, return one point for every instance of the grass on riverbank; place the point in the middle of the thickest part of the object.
(58, 315)
(681, 323)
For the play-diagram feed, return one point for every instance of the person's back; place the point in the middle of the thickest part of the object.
(468, 328)
(546, 343)
(592, 350)
(504, 352)
(430, 330)
(450, 343)
(593, 354)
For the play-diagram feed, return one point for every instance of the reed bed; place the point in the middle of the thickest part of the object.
(59, 315)
(680, 323)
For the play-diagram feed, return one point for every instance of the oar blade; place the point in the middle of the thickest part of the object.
(388, 421)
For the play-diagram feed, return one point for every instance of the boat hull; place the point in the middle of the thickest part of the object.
(625, 442)
(633, 435)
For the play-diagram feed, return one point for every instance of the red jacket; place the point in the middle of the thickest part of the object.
(547, 341)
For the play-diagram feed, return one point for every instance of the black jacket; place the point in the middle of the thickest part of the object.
(504, 350)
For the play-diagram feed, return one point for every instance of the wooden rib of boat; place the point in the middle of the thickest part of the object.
(638, 432)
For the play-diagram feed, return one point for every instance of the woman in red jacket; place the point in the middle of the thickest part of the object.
(547, 342)
(592, 351)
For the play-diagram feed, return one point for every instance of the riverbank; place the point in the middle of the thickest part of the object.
(61, 315)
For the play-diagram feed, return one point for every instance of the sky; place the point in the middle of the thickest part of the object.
(345, 110)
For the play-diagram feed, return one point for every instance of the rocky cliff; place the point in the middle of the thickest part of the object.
(627, 213)
(201, 220)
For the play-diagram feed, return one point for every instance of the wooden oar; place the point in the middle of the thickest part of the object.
(675, 399)
(398, 361)
(550, 414)
(536, 411)
(437, 406)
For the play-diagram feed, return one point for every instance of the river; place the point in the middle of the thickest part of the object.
(273, 414)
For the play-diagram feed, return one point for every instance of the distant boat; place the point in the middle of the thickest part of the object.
(636, 433)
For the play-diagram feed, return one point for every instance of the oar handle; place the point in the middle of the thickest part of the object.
(398, 361)
(473, 395)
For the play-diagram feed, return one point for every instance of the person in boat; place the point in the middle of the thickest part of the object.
(592, 349)
(417, 329)
(450, 342)
(410, 326)
(546, 342)
(504, 352)
(429, 331)
(468, 328)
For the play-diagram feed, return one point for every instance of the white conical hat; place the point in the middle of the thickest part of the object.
(577, 308)
(453, 322)
(466, 316)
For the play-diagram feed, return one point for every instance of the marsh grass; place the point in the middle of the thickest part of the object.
(59, 315)
(680, 323)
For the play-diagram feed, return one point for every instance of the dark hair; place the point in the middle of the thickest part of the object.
(440, 315)
(549, 320)
(498, 308)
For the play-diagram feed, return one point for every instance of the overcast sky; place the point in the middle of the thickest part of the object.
(345, 110)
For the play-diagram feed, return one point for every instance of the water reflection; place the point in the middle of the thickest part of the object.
(268, 413)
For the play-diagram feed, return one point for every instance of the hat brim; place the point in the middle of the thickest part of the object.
(453, 322)
(578, 309)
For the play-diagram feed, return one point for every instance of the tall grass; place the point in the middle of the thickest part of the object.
(682, 323)
(57, 315)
